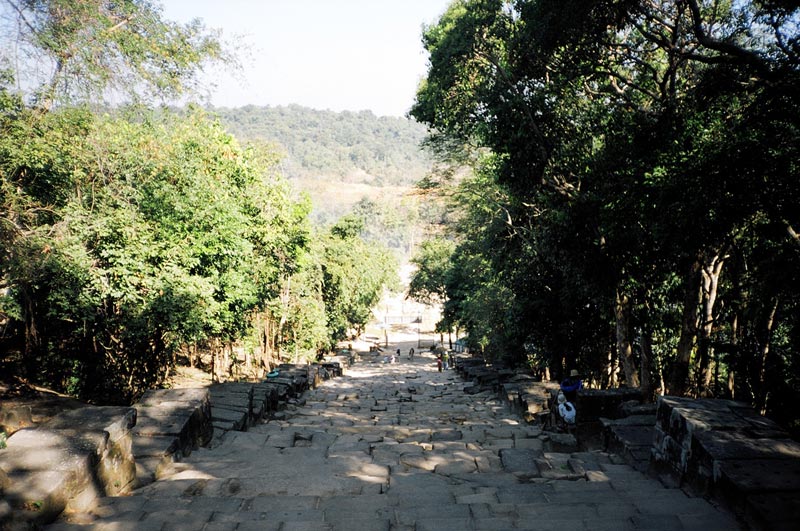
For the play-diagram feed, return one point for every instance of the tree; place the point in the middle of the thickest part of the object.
(622, 209)
(69, 51)
(434, 261)
(165, 233)
(355, 275)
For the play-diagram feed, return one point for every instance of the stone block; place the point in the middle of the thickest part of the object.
(561, 442)
(738, 478)
(722, 445)
(624, 438)
(46, 474)
(15, 416)
(228, 419)
(520, 461)
(68, 463)
(107, 432)
(192, 404)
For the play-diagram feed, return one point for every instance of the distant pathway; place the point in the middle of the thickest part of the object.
(400, 447)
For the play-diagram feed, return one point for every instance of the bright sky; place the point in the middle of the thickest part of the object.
(325, 54)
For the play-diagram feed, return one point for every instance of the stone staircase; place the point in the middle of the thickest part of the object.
(64, 464)
(399, 447)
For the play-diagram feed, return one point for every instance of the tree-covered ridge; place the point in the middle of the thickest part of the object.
(348, 146)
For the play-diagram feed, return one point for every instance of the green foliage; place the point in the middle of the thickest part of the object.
(611, 154)
(355, 147)
(167, 233)
(434, 264)
(131, 235)
(354, 276)
(70, 51)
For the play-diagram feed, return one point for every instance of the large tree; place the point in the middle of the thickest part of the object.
(623, 206)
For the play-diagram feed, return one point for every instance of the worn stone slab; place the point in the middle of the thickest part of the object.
(107, 433)
(463, 466)
(520, 460)
(68, 463)
(723, 445)
(759, 475)
(230, 419)
(165, 398)
(561, 442)
(46, 474)
(446, 435)
(621, 437)
(191, 404)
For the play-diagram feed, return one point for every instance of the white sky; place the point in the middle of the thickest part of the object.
(325, 54)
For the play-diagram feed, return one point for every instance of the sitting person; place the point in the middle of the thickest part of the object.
(566, 411)
(571, 385)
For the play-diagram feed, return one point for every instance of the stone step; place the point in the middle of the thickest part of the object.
(66, 464)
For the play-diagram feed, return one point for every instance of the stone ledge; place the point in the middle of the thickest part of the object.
(173, 422)
(725, 449)
(67, 464)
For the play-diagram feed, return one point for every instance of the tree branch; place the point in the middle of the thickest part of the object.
(746, 56)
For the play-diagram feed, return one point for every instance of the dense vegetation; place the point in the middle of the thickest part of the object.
(347, 146)
(131, 236)
(632, 207)
(347, 162)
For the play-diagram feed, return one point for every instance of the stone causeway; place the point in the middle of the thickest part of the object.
(358, 444)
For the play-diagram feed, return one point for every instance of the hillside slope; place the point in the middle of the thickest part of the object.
(345, 161)
(345, 146)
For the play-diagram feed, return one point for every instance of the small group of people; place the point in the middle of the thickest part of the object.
(445, 361)
(395, 357)
(567, 393)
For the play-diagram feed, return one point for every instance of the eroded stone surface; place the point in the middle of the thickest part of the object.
(362, 452)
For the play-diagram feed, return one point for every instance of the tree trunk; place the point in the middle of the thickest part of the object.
(612, 367)
(733, 355)
(647, 370)
(709, 273)
(624, 346)
(213, 366)
(679, 379)
(764, 356)
(734, 360)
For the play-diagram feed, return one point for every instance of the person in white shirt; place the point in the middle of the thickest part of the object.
(565, 409)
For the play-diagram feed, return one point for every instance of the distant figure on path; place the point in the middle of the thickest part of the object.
(439, 362)
(571, 385)
(411, 353)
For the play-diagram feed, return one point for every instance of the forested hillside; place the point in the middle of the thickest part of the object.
(135, 236)
(346, 162)
(347, 146)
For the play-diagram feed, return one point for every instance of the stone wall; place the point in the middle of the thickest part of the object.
(73, 454)
(725, 449)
